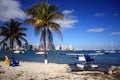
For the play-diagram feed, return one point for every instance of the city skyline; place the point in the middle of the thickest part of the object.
(87, 24)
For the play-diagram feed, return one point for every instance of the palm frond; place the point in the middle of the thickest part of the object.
(18, 42)
(17, 24)
(56, 27)
(22, 38)
(37, 30)
(50, 36)
(30, 21)
(22, 29)
(21, 34)
(4, 40)
(52, 8)
(54, 16)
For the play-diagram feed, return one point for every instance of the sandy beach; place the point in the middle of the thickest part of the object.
(51, 71)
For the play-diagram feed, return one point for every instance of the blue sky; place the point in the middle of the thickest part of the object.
(88, 24)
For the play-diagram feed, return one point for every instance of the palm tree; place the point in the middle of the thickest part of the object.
(41, 16)
(11, 32)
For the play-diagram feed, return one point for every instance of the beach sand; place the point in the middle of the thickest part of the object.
(51, 71)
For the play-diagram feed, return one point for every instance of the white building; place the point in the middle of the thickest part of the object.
(61, 47)
(70, 47)
(57, 47)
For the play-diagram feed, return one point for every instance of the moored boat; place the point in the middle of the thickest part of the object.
(112, 51)
(40, 52)
(18, 51)
(98, 51)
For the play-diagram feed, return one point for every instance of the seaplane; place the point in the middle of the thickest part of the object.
(85, 60)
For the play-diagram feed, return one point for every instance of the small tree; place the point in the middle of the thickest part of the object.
(11, 32)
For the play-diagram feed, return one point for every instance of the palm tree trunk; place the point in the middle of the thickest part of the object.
(12, 49)
(3, 47)
(45, 54)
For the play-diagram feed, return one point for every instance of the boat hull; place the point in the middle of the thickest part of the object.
(40, 53)
(18, 52)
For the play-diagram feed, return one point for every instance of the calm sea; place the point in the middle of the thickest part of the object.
(104, 61)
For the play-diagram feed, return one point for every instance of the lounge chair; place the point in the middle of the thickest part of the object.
(13, 62)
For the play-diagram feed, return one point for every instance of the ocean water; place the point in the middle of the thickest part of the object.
(104, 61)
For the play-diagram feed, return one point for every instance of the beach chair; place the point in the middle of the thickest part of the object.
(13, 62)
(85, 60)
(7, 61)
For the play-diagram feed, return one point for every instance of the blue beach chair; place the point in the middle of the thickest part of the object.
(13, 62)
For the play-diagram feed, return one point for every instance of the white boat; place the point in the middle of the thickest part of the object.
(98, 51)
(118, 51)
(106, 51)
(112, 51)
(40, 52)
(18, 51)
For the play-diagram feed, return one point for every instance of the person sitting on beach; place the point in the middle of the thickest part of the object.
(88, 58)
(7, 61)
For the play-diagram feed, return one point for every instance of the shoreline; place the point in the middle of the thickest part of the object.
(50, 71)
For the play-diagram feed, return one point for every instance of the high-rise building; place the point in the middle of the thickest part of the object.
(26, 46)
(51, 46)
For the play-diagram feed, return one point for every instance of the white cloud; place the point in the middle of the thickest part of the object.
(10, 9)
(99, 14)
(96, 30)
(68, 21)
(67, 11)
(115, 33)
